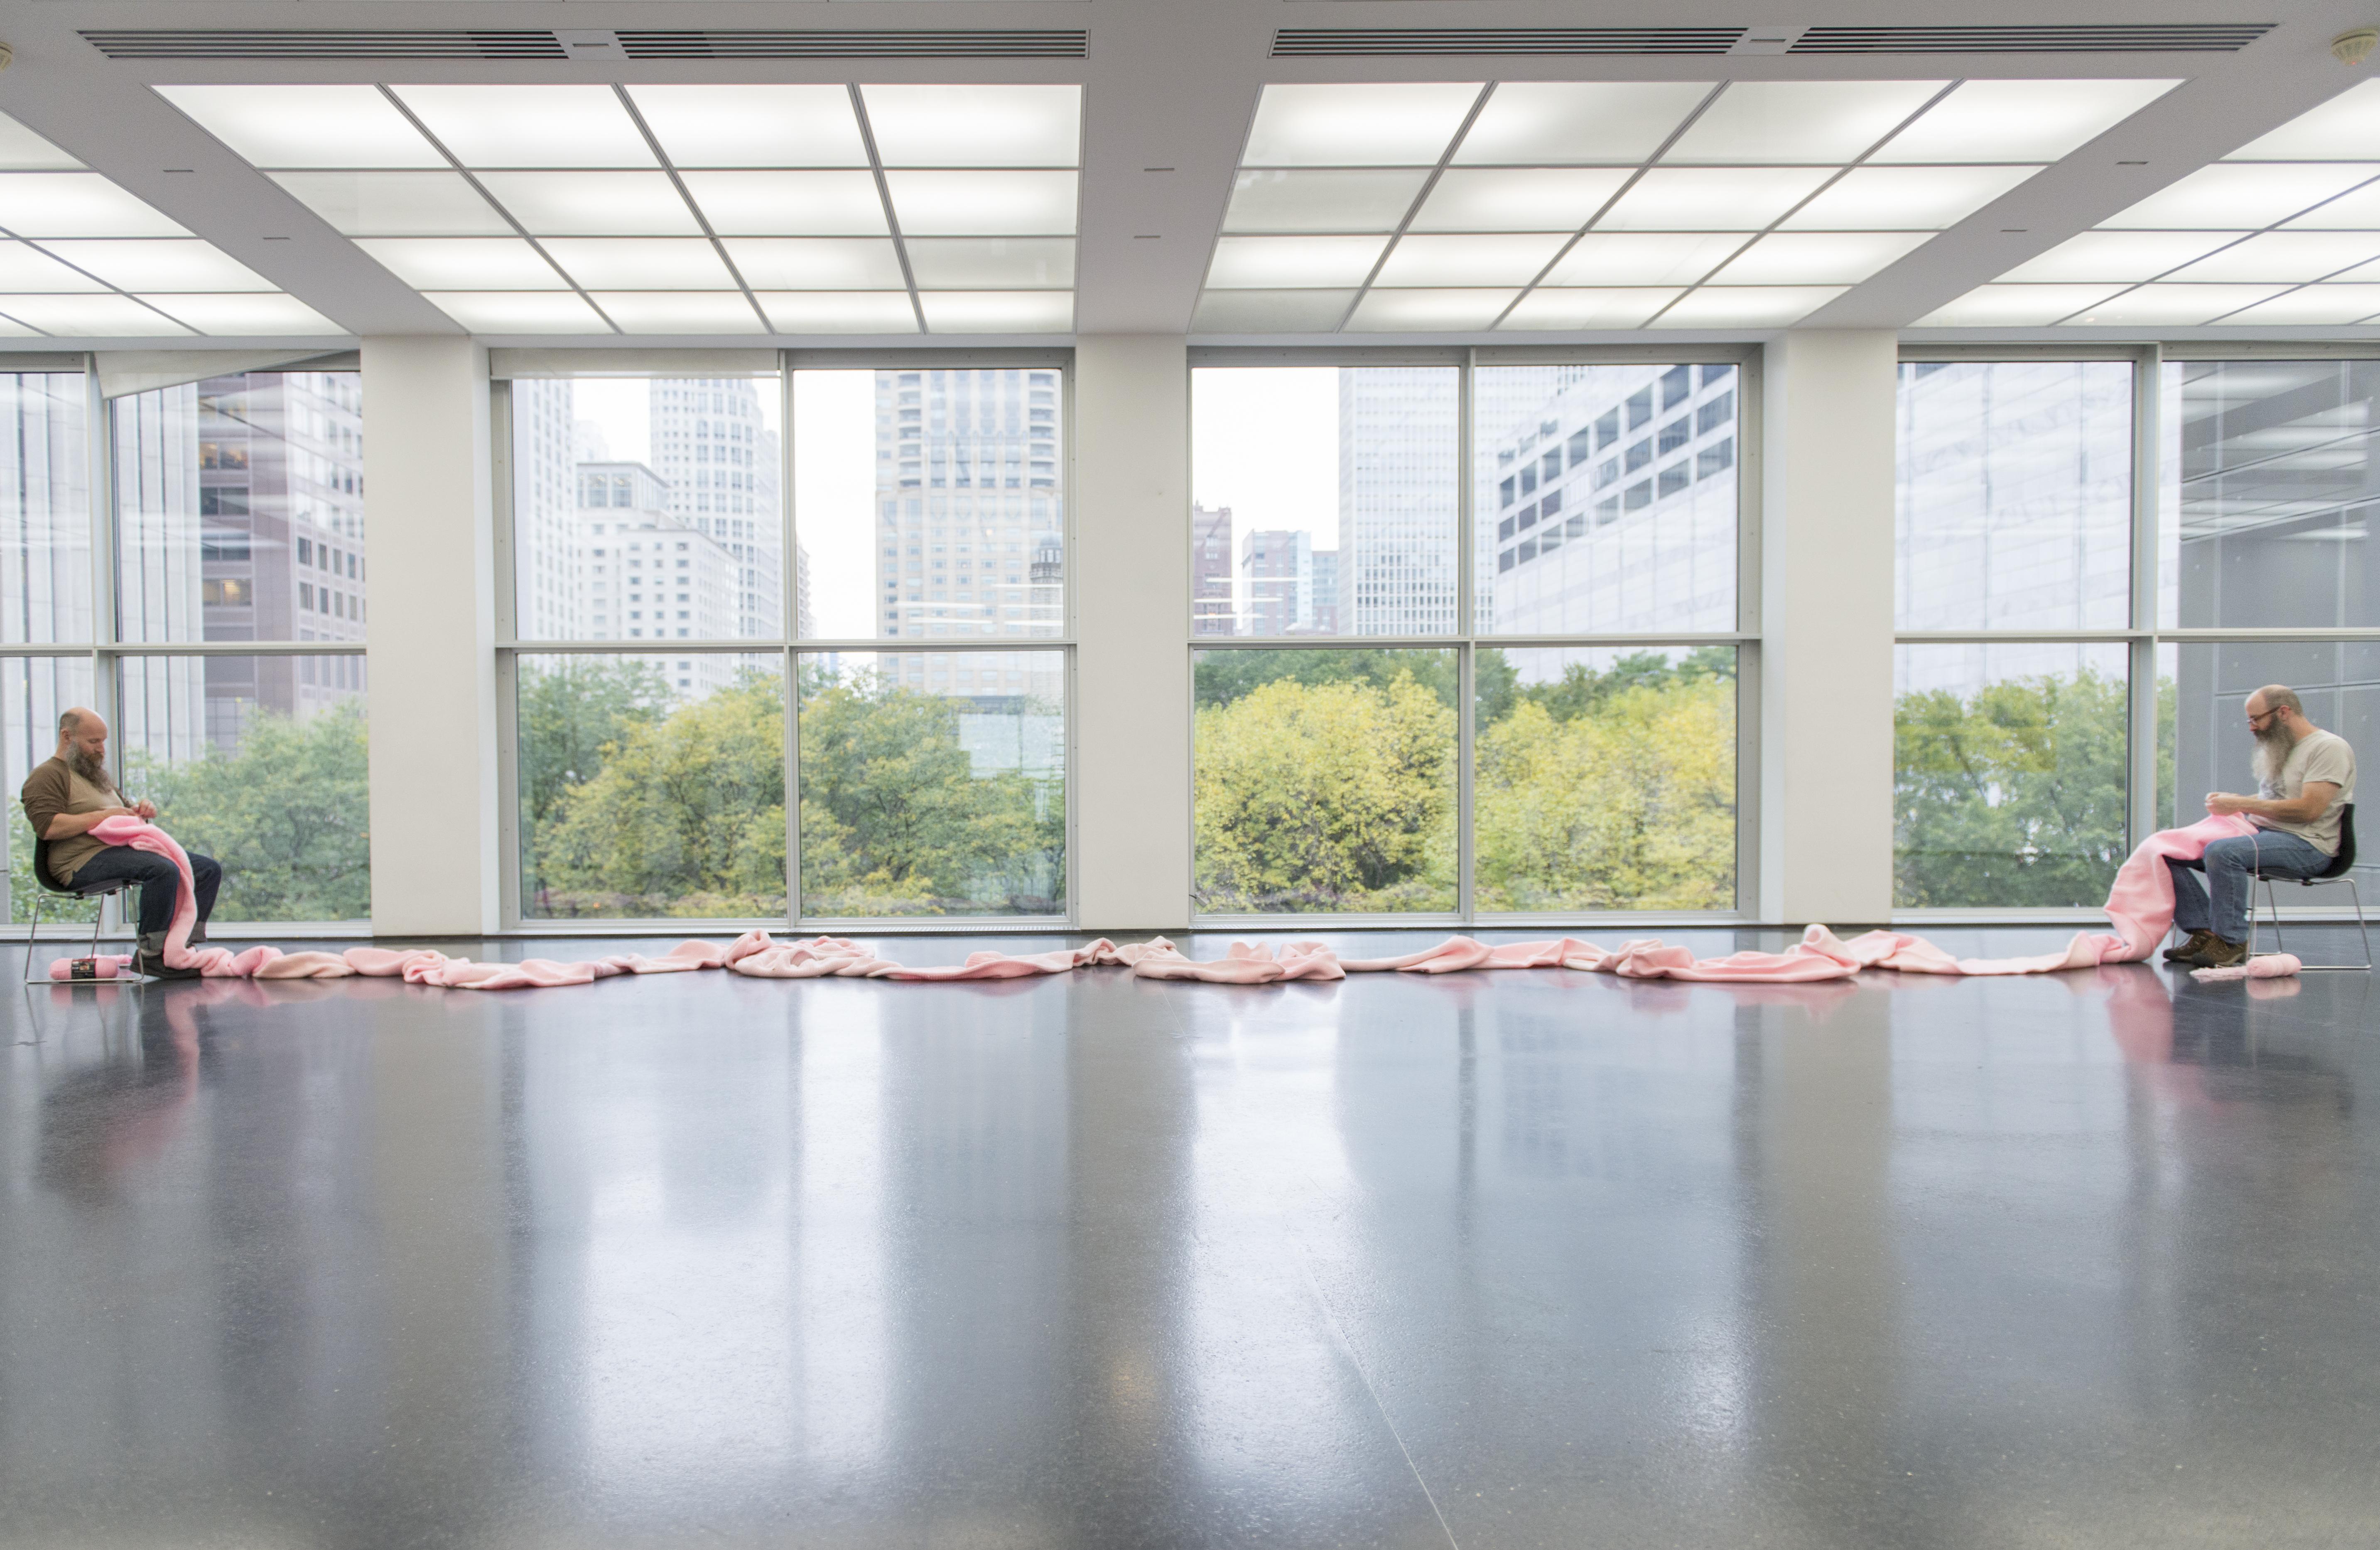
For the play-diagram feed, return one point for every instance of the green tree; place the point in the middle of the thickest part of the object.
(570, 714)
(1222, 677)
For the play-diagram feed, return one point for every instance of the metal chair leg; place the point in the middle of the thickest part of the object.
(33, 935)
(2357, 893)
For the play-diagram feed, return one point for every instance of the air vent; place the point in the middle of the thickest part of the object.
(2180, 37)
(185, 44)
(1038, 45)
(1376, 43)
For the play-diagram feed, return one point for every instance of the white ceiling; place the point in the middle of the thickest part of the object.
(1171, 93)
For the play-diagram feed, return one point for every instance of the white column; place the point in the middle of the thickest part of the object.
(1826, 688)
(433, 636)
(1132, 610)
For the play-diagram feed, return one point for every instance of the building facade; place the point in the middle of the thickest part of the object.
(1212, 612)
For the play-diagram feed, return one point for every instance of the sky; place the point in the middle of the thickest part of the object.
(1265, 441)
(834, 489)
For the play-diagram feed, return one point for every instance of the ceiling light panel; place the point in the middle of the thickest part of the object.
(1571, 123)
(2234, 197)
(1710, 199)
(2356, 210)
(753, 125)
(1817, 258)
(983, 204)
(1514, 198)
(9, 327)
(1270, 312)
(395, 204)
(514, 126)
(826, 312)
(463, 263)
(993, 262)
(607, 264)
(1290, 263)
(789, 203)
(2130, 256)
(1322, 198)
(944, 126)
(1610, 258)
(2020, 120)
(1469, 261)
(76, 205)
(2176, 305)
(1428, 311)
(2295, 256)
(307, 125)
(167, 263)
(2346, 129)
(519, 311)
(1808, 121)
(1746, 306)
(593, 204)
(23, 150)
(1905, 198)
(1583, 307)
(1998, 306)
(1022, 311)
(2314, 305)
(29, 269)
(235, 314)
(656, 311)
(1357, 125)
(835, 263)
(89, 315)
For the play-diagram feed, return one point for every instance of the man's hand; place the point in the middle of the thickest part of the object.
(144, 810)
(2224, 803)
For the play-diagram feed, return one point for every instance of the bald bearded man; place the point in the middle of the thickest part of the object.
(66, 795)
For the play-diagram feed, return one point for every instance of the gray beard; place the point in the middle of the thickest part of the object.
(2274, 745)
(91, 769)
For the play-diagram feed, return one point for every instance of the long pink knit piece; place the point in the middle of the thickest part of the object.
(2140, 906)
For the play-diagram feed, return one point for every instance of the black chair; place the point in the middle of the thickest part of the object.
(2340, 869)
(66, 890)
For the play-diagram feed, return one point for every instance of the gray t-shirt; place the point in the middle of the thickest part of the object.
(2318, 756)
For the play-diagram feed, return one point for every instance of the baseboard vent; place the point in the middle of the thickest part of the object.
(1392, 43)
(180, 43)
(1040, 44)
(2154, 37)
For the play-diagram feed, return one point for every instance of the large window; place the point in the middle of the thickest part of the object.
(1542, 718)
(860, 646)
(224, 635)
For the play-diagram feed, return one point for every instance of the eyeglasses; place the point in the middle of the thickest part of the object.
(2254, 720)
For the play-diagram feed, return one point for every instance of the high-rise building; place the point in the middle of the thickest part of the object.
(1210, 571)
(1326, 591)
(1397, 473)
(548, 445)
(649, 573)
(711, 444)
(1277, 576)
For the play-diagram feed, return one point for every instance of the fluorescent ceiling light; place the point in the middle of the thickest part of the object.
(23, 150)
(1710, 199)
(9, 327)
(1469, 261)
(2174, 304)
(461, 262)
(27, 269)
(519, 311)
(661, 311)
(1356, 124)
(1649, 258)
(1421, 311)
(984, 203)
(1905, 198)
(826, 311)
(1588, 307)
(2345, 129)
(395, 203)
(1746, 306)
(2287, 255)
(837, 263)
(1558, 123)
(641, 263)
(945, 126)
(119, 315)
(2315, 304)
(993, 262)
(1817, 258)
(2237, 197)
(1270, 312)
(76, 205)
(2020, 120)
(513, 125)
(789, 203)
(753, 125)
(1814, 121)
(167, 263)
(2130, 256)
(1322, 198)
(593, 204)
(1286, 263)
(307, 125)
(993, 312)
(2015, 306)
(246, 315)
(2356, 210)
(1514, 199)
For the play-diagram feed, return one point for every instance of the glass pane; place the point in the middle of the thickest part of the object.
(1605, 779)
(648, 507)
(931, 503)
(2009, 774)
(2012, 495)
(651, 787)
(261, 763)
(2270, 477)
(34, 690)
(1605, 498)
(45, 501)
(1324, 781)
(2209, 744)
(933, 784)
(1323, 500)
(240, 509)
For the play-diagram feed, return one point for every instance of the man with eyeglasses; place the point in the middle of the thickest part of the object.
(2304, 775)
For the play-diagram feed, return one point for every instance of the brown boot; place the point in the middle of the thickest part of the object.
(2181, 950)
(2220, 952)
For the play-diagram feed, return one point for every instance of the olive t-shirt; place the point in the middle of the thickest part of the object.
(53, 788)
(2319, 756)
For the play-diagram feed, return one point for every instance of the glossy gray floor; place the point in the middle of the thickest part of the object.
(1529, 1259)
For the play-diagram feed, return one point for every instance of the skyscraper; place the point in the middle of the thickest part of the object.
(1397, 472)
(1277, 575)
(1210, 571)
(711, 444)
(650, 574)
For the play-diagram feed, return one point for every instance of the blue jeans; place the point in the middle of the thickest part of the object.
(2230, 866)
(161, 883)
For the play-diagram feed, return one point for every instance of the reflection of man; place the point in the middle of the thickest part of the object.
(2303, 777)
(65, 796)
